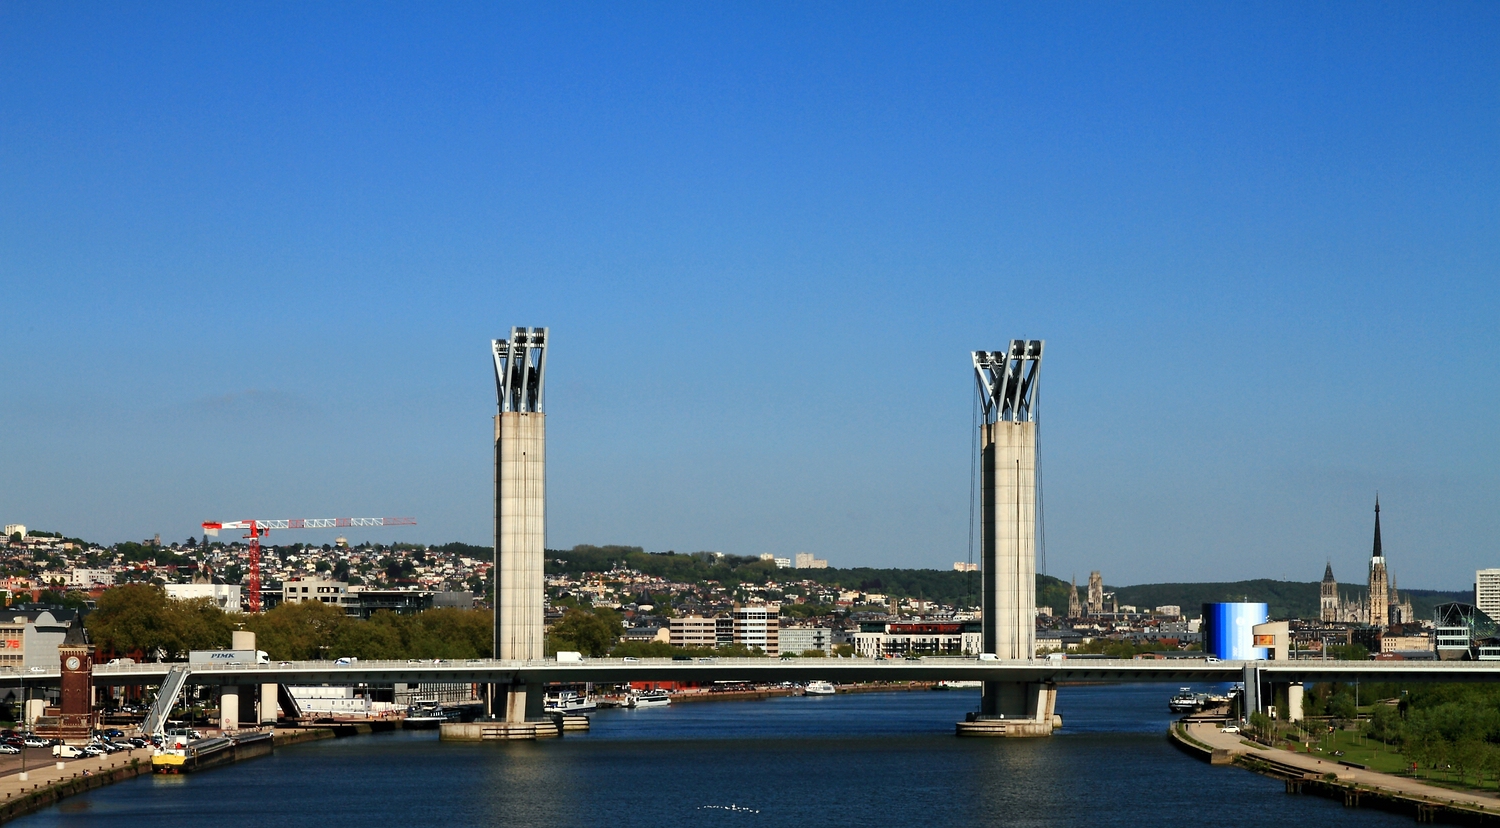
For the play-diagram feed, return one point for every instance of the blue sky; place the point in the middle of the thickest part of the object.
(251, 257)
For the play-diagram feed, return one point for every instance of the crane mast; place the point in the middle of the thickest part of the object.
(258, 528)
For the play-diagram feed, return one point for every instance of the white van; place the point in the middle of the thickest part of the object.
(66, 752)
(988, 657)
(570, 656)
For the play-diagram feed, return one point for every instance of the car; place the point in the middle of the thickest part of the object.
(682, 658)
(124, 746)
(112, 733)
(1211, 660)
(1230, 728)
(34, 742)
(93, 750)
(630, 659)
(347, 661)
(283, 664)
(9, 750)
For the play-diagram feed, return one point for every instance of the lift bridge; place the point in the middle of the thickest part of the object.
(1019, 689)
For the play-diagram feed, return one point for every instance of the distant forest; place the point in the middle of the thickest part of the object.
(1286, 599)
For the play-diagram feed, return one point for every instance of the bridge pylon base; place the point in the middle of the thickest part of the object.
(1014, 710)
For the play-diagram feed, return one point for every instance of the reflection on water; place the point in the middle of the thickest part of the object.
(872, 759)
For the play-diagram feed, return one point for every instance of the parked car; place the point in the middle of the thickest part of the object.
(92, 750)
(112, 733)
(34, 742)
(66, 752)
(9, 750)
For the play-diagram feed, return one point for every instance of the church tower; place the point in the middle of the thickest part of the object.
(1380, 591)
(1075, 609)
(1329, 601)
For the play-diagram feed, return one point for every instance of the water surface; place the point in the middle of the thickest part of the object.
(878, 759)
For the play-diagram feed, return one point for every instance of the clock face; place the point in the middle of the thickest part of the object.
(73, 662)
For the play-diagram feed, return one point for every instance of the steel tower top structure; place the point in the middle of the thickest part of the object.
(520, 368)
(1008, 381)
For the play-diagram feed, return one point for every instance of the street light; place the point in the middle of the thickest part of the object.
(24, 705)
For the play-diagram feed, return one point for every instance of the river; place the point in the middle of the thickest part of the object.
(880, 759)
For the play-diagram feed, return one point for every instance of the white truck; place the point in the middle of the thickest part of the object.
(238, 658)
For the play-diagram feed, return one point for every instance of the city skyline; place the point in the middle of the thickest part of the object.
(765, 242)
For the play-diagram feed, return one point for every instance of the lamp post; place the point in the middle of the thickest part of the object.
(24, 705)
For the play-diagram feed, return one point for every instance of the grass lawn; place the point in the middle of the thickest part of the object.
(1383, 758)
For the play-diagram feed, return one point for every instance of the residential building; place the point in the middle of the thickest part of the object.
(693, 631)
(226, 596)
(87, 579)
(799, 639)
(13, 529)
(806, 560)
(1487, 592)
(963, 566)
(758, 626)
(1409, 642)
(322, 590)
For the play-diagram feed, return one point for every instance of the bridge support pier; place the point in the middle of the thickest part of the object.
(1014, 709)
(1294, 702)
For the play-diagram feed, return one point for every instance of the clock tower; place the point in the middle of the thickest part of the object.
(75, 720)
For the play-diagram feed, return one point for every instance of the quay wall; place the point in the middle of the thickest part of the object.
(43, 794)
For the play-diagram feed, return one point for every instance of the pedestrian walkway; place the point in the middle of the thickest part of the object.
(42, 774)
(1211, 735)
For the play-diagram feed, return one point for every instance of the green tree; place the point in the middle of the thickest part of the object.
(140, 619)
(593, 634)
(298, 631)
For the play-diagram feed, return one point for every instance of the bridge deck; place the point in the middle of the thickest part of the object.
(605, 670)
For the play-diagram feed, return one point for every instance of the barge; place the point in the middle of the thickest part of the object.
(184, 755)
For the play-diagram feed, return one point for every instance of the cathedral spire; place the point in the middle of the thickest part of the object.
(1377, 552)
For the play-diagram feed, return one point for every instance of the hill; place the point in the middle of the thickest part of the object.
(944, 586)
(1286, 599)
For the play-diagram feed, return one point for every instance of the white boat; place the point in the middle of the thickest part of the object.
(569, 702)
(964, 684)
(650, 698)
(819, 688)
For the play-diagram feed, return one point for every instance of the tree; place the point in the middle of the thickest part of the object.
(141, 619)
(298, 631)
(592, 634)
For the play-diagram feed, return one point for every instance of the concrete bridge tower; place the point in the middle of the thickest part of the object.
(1008, 438)
(520, 509)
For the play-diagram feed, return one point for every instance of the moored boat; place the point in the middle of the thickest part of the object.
(569, 702)
(650, 698)
(819, 688)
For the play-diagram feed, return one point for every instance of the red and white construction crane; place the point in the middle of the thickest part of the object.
(260, 527)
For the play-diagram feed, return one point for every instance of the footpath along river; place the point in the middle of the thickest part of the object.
(878, 759)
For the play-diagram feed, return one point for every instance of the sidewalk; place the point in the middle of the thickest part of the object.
(1209, 734)
(41, 774)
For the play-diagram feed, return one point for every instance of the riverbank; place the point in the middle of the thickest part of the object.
(778, 692)
(47, 784)
(1355, 787)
